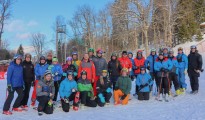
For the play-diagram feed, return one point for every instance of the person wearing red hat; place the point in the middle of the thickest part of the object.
(125, 61)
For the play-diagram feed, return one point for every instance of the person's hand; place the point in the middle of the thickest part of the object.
(197, 71)
(185, 71)
(56, 73)
(9, 88)
(74, 90)
(50, 94)
(130, 69)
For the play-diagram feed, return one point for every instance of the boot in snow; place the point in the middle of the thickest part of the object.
(178, 92)
(182, 90)
(17, 109)
(150, 94)
(160, 97)
(166, 97)
(195, 92)
(7, 112)
(40, 113)
(82, 106)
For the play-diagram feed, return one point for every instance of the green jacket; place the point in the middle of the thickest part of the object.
(85, 85)
(124, 84)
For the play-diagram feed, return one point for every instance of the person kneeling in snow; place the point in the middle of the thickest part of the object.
(86, 91)
(45, 93)
(144, 83)
(122, 88)
(103, 89)
(68, 91)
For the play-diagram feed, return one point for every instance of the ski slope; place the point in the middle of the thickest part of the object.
(184, 107)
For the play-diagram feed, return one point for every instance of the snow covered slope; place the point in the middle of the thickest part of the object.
(184, 107)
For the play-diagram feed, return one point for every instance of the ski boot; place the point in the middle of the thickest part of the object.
(166, 98)
(17, 109)
(7, 112)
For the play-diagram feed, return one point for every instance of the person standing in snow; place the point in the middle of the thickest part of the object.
(130, 56)
(122, 88)
(29, 78)
(69, 67)
(92, 57)
(194, 69)
(183, 66)
(114, 69)
(143, 81)
(68, 90)
(173, 74)
(125, 62)
(104, 89)
(100, 64)
(139, 61)
(75, 61)
(57, 73)
(15, 83)
(165, 52)
(40, 69)
(86, 91)
(49, 59)
(45, 93)
(162, 67)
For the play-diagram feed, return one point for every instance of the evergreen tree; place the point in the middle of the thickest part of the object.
(20, 50)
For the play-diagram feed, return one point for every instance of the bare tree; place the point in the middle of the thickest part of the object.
(38, 43)
(5, 14)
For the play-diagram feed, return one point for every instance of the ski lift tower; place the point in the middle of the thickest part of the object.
(60, 38)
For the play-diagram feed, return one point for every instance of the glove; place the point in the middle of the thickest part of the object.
(146, 84)
(75, 74)
(33, 84)
(108, 90)
(123, 97)
(116, 88)
(50, 102)
(197, 71)
(185, 71)
(23, 87)
(102, 99)
(74, 90)
(66, 100)
(64, 74)
(56, 74)
(202, 70)
(9, 88)
(148, 67)
(162, 69)
(141, 86)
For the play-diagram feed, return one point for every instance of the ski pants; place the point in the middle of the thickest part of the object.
(118, 94)
(162, 85)
(86, 100)
(26, 93)
(153, 76)
(136, 87)
(43, 105)
(143, 96)
(182, 82)
(113, 80)
(33, 97)
(66, 106)
(173, 77)
(194, 82)
(10, 97)
(56, 85)
(95, 85)
(107, 98)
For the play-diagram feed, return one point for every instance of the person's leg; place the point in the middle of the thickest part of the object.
(166, 85)
(175, 82)
(95, 84)
(117, 95)
(65, 106)
(26, 94)
(146, 95)
(18, 100)
(107, 97)
(196, 83)
(33, 97)
(136, 87)
(83, 96)
(183, 83)
(99, 102)
(125, 101)
(140, 96)
(8, 101)
(43, 100)
(56, 85)
(90, 103)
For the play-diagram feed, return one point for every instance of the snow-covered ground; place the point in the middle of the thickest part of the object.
(184, 107)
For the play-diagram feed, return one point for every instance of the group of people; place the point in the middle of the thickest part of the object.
(92, 81)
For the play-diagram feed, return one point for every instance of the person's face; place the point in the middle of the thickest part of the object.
(43, 61)
(124, 55)
(49, 57)
(75, 57)
(165, 51)
(48, 77)
(124, 73)
(153, 53)
(104, 74)
(193, 50)
(90, 53)
(69, 62)
(70, 77)
(130, 55)
(99, 55)
(86, 57)
(142, 71)
(161, 57)
(114, 57)
(84, 77)
(171, 54)
(18, 61)
(28, 59)
(180, 51)
(139, 55)
(55, 62)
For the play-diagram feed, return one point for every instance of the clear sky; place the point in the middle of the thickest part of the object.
(31, 16)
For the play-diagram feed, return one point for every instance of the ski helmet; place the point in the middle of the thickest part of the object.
(193, 47)
(171, 51)
(129, 53)
(139, 52)
(42, 58)
(69, 58)
(74, 53)
(83, 73)
(114, 54)
(142, 68)
(47, 72)
(17, 56)
(91, 50)
(69, 72)
(99, 51)
(124, 52)
(153, 50)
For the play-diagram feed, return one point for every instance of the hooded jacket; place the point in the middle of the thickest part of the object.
(28, 71)
(40, 70)
(66, 87)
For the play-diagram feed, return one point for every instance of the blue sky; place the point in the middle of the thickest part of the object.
(32, 16)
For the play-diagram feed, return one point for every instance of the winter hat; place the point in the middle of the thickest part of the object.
(193, 47)
(69, 72)
(124, 52)
(180, 48)
(69, 59)
(165, 48)
(160, 53)
(124, 70)
(42, 58)
(153, 50)
(139, 52)
(114, 54)
(142, 68)
(91, 50)
(55, 59)
(74, 53)
(16, 56)
(83, 73)
(47, 72)
(104, 71)
(99, 51)
(27, 55)
(129, 53)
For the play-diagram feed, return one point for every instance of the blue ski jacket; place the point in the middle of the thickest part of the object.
(66, 87)
(143, 79)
